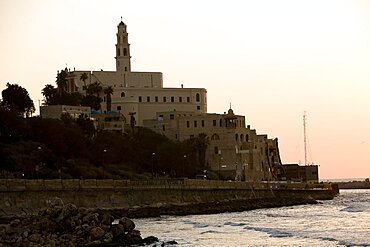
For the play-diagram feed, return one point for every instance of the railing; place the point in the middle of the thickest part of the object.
(79, 184)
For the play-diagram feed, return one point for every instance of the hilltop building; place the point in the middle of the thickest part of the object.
(235, 151)
(139, 92)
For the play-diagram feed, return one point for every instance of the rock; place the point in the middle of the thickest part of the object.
(107, 219)
(35, 237)
(15, 222)
(128, 224)
(54, 202)
(173, 242)
(96, 233)
(118, 230)
(108, 237)
(150, 240)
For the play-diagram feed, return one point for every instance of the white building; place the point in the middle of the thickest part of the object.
(140, 92)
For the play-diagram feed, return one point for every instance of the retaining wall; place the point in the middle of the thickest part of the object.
(19, 196)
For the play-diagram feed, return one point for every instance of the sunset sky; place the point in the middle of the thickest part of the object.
(272, 60)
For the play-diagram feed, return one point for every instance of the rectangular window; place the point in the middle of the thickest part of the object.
(118, 108)
(214, 122)
(180, 99)
(156, 98)
(172, 116)
(148, 99)
(172, 99)
(216, 150)
(164, 127)
(188, 99)
(164, 99)
(187, 124)
(202, 123)
(198, 107)
(140, 99)
(195, 124)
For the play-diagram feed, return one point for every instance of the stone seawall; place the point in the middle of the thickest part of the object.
(155, 197)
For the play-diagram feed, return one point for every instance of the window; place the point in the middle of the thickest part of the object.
(172, 99)
(140, 99)
(198, 107)
(156, 98)
(125, 68)
(188, 99)
(202, 123)
(118, 52)
(180, 99)
(247, 138)
(236, 137)
(215, 137)
(214, 122)
(125, 51)
(172, 116)
(148, 99)
(123, 95)
(242, 137)
(164, 127)
(164, 99)
(118, 108)
(216, 150)
(187, 124)
(220, 122)
(197, 97)
(195, 124)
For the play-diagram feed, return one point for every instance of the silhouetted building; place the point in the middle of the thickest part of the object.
(298, 173)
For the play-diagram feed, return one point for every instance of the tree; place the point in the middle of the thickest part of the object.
(92, 101)
(62, 80)
(49, 92)
(109, 91)
(202, 143)
(17, 98)
(83, 78)
(94, 89)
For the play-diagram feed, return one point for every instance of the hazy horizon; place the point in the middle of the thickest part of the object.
(272, 60)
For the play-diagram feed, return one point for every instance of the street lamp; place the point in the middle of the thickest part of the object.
(104, 152)
(153, 157)
(219, 167)
(183, 165)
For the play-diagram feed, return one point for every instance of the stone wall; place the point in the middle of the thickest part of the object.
(20, 196)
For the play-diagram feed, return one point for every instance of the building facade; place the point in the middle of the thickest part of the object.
(140, 92)
(235, 151)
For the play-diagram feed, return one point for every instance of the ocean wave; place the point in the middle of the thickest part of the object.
(355, 209)
(234, 224)
(275, 233)
(195, 224)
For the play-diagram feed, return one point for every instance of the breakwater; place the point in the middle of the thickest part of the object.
(155, 197)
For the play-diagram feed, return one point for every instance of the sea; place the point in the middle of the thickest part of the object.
(343, 221)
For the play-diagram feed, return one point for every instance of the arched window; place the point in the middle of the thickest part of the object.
(220, 122)
(247, 138)
(125, 51)
(118, 52)
(236, 137)
(241, 137)
(215, 137)
(123, 95)
(197, 97)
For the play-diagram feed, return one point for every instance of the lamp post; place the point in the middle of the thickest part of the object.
(219, 167)
(183, 165)
(104, 153)
(153, 157)
(37, 166)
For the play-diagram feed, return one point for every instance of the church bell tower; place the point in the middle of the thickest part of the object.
(123, 58)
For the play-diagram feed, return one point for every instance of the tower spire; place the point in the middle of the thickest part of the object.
(123, 57)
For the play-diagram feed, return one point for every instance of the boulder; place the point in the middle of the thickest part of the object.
(128, 224)
(96, 233)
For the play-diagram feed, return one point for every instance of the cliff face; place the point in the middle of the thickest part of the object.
(155, 197)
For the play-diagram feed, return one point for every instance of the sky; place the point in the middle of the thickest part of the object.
(272, 60)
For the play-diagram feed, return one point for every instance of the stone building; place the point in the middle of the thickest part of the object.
(235, 151)
(140, 92)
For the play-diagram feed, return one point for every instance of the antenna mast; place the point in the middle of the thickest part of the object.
(304, 138)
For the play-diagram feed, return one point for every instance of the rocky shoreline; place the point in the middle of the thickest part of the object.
(62, 224)
(67, 225)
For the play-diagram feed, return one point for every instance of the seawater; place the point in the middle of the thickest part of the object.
(343, 221)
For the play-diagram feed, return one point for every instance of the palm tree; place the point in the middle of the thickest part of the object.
(62, 80)
(94, 88)
(83, 78)
(48, 92)
(109, 91)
